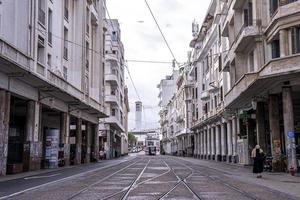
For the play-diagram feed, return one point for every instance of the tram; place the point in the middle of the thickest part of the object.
(151, 145)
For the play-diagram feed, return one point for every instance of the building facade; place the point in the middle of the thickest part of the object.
(114, 90)
(245, 69)
(51, 83)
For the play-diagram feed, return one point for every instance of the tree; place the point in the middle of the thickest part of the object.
(132, 139)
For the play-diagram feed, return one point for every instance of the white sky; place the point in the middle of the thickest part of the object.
(142, 41)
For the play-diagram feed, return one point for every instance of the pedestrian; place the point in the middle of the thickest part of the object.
(258, 156)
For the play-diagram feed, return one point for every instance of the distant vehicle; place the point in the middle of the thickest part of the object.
(134, 150)
(151, 148)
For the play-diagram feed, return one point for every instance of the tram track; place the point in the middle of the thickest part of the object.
(180, 181)
(100, 181)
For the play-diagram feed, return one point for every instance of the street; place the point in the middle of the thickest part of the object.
(139, 177)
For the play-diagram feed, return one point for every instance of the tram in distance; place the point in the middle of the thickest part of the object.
(151, 146)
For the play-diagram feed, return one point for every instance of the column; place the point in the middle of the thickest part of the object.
(289, 131)
(32, 151)
(223, 144)
(284, 41)
(229, 140)
(208, 143)
(218, 147)
(275, 131)
(4, 128)
(96, 141)
(65, 136)
(196, 145)
(201, 144)
(205, 144)
(213, 152)
(234, 140)
(78, 142)
(260, 126)
(88, 142)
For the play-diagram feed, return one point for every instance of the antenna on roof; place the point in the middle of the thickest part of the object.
(195, 28)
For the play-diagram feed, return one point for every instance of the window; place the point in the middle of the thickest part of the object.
(275, 46)
(114, 36)
(65, 72)
(65, 43)
(113, 112)
(50, 26)
(251, 61)
(248, 15)
(49, 60)
(41, 12)
(87, 54)
(273, 6)
(196, 73)
(41, 50)
(221, 93)
(87, 21)
(291, 1)
(295, 34)
(220, 63)
(66, 10)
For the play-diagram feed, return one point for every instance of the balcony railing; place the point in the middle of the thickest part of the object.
(42, 16)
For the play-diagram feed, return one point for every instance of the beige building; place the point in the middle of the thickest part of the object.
(246, 71)
(51, 83)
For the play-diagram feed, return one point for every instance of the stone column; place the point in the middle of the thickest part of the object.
(205, 144)
(96, 141)
(223, 144)
(275, 131)
(289, 131)
(201, 144)
(212, 133)
(208, 143)
(78, 142)
(260, 126)
(65, 136)
(234, 140)
(88, 142)
(284, 41)
(218, 147)
(32, 152)
(4, 128)
(229, 141)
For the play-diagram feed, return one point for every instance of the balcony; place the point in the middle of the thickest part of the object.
(115, 122)
(111, 99)
(205, 96)
(94, 14)
(238, 4)
(111, 78)
(246, 36)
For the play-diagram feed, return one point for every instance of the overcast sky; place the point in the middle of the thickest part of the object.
(142, 41)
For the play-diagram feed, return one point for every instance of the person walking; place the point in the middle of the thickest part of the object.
(258, 157)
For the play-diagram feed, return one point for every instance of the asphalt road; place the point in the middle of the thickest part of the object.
(136, 177)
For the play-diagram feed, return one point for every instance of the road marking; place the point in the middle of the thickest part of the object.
(60, 180)
(37, 177)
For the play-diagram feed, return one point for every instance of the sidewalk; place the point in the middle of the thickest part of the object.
(282, 182)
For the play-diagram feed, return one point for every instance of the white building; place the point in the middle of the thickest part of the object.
(114, 89)
(51, 82)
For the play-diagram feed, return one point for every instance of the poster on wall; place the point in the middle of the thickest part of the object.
(52, 146)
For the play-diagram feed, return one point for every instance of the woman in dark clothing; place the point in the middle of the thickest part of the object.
(258, 156)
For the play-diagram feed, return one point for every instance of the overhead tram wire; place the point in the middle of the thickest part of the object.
(162, 33)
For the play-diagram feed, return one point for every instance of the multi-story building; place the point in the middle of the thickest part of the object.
(51, 83)
(114, 88)
(126, 109)
(167, 89)
(246, 68)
